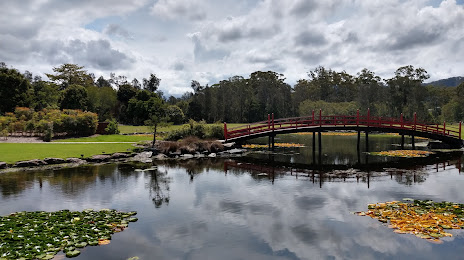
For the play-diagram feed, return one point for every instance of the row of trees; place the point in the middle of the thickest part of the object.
(237, 99)
(250, 99)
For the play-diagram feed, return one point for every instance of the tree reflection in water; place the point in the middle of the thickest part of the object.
(158, 186)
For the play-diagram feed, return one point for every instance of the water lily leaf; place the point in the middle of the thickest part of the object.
(73, 253)
(104, 241)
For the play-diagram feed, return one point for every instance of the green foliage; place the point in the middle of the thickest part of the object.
(70, 74)
(75, 97)
(215, 132)
(45, 95)
(103, 101)
(14, 90)
(328, 108)
(70, 122)
(196, 129)
(175, 114)
(48, 135)
(112, 128)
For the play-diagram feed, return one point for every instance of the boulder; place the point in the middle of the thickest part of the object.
(228, 145)
(186, 156)
(75, 160)
(30, 163)
(98, 158)
(3, 165)
(54, 160)
(235, 151)
(160, 157)
(119, 155)
(144, 157)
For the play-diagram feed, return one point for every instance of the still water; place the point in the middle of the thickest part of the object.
(219, 209)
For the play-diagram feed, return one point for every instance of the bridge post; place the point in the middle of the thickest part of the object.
(320, 147)
(401, 119)
(368, 116)
(460, 124)
(225, 131)
(444, 127)
(402, 141)
(415, 120)
(357, 119)
(272, 122)
(413, 142)
(313, 117)
(268, 121)
(314, 147)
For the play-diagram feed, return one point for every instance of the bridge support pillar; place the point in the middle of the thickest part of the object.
(402, 141)
(320, 147)
(367, 141)
(413, 142)
(271, 142)
(314, 147)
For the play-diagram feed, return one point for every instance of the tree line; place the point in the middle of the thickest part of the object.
(236, 99)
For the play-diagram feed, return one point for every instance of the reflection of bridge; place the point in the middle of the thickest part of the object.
(358, 123)
(342, 172)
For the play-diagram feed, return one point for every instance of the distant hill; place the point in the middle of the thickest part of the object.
(449, 82)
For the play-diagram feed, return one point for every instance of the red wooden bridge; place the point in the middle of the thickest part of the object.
(367, 123)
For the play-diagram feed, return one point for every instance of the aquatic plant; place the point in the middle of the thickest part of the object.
(424, 219)
(261, 146)
(403, 153)
(41, 235)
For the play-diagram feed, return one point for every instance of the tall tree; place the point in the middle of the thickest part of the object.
(152, 83)
(407, 92)
(70, 74)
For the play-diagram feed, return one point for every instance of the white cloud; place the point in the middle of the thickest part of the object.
(210, 40)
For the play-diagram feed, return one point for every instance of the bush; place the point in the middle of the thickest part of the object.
(48, 132)
(215, 132)
(112, 128)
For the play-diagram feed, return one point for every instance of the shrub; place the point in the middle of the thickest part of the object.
(48, 132)
(215, 132)
(112, 128)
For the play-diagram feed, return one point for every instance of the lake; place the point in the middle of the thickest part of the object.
(252, 207)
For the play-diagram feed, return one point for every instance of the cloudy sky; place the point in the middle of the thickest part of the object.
(209, 40)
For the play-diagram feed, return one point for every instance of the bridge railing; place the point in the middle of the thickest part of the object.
(339, 120)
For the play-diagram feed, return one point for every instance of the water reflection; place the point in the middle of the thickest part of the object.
(158, 186)
(240, 209)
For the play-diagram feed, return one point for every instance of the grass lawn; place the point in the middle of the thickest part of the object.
(13, 152)
(127, 129)
(109, 138)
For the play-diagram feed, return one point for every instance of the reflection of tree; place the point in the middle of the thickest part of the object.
(15, 183)
(159, 186)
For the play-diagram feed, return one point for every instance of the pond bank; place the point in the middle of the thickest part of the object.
(145, 154)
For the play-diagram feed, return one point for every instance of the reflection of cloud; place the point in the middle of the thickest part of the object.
(297, 217)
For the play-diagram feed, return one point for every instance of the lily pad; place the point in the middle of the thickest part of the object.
(41, 235)
(424, 218)
(73, 253)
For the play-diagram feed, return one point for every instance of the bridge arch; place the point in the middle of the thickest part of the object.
(366, 123)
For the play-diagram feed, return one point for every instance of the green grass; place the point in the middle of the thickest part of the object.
(109, 138)
(13, 152)
(127, 129)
